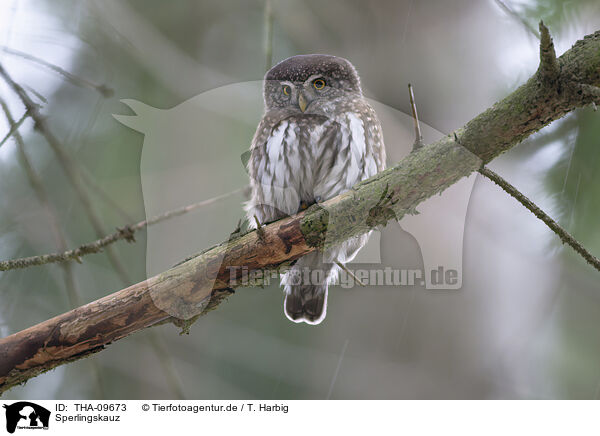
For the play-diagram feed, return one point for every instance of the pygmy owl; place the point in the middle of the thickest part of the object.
(317, 138)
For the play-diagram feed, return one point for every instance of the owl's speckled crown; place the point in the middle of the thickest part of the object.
(299, 68)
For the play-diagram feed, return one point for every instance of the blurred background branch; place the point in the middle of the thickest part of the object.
(37, 185)
(68, 164)
(126, 233)
(505, 7)
(104, 90)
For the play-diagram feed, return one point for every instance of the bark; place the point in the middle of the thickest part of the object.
(199, 284)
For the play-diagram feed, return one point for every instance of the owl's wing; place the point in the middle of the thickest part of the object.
(351, 150)
(255, 163)
(270, 199)
(359, 154)
(258, 150)
(374, 147)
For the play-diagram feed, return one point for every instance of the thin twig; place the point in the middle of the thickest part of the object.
(564, 236)
(516, 16)
(13, 126)
(268, 23)
(127, 233)
(39, 96)
(104, 90)
(418, 136)
(350, 273)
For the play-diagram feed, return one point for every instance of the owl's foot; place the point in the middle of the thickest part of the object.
(456, 139)
(238, 228)
(260, 231)
(305, 204)
(417, 145)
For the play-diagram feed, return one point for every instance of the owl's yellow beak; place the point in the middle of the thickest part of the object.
(302, 101)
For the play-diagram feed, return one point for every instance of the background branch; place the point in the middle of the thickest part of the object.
(124, 233)
(104, 90)
(72, 171)
(68, 165)
(14, 126)
(564, 236)
(268, 29)
(516, 16)
(73, 294)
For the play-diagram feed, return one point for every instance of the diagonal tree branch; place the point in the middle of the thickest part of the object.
(205, 280)
(564, 236)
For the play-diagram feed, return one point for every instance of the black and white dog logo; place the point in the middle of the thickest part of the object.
(26, 415)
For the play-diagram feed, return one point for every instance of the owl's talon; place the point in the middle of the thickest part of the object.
(456, 139)
(305, 204)
(260, 231)
(238, 228)
(383, 211)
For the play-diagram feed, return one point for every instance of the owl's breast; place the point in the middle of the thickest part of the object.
(308, 158)
(294, 150)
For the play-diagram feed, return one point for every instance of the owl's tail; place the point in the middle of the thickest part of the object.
(306, 303)
(306, 286)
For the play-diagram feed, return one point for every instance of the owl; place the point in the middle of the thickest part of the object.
(317, 138)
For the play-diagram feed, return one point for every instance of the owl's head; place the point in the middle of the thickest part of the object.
(311, 84)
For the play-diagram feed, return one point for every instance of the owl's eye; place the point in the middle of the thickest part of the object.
(319, 84)
(287, 90)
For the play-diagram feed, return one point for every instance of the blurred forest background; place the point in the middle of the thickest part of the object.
(524, 325)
